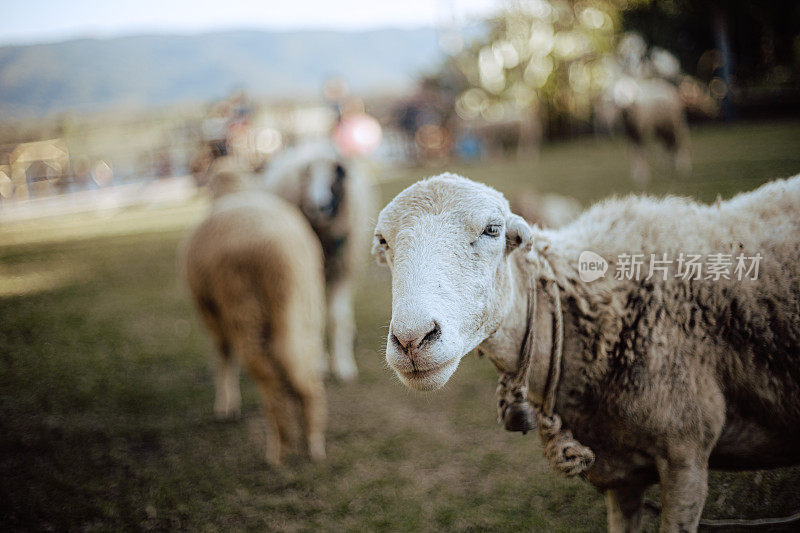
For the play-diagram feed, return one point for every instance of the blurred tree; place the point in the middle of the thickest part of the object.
(549, 58)
(751, 48)
(552, 58)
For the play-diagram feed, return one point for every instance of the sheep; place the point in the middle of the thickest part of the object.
(254, 269)
(652, 108)
(337, 200)
(545, 210)
(637, 379)
(647, 105)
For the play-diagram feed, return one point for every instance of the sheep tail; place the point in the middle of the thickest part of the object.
(565, 453)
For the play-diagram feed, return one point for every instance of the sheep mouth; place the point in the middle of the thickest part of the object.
(422, 374)
(429, 378)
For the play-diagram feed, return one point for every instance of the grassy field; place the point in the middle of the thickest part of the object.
(106, 388)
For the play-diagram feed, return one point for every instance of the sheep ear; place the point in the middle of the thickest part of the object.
(518, 233)
(378, 251)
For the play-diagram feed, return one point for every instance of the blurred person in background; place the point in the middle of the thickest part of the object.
(356, 134)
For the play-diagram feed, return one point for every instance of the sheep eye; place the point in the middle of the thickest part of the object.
(381, 240)
(492, 230)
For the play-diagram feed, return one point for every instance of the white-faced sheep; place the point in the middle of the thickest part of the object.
(254, 268)
(336, 198)
(639, 379)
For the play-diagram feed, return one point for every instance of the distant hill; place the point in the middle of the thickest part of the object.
(156, 70)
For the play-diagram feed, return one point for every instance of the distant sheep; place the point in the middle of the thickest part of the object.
(653, 109)
(337, 200)
(545, 210)
(647, 104)
(254, 268)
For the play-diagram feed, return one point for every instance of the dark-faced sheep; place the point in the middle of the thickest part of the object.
(254, 268)
(337, 200)
(639, 377)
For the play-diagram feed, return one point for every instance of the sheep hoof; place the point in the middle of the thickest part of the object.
(316, 448)
(346, 372)
(683, 166)
(227, 412)
(273, 456)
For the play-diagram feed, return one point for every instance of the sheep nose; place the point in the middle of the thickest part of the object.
(411, 338)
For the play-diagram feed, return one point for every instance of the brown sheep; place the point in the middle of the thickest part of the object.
(254, 268)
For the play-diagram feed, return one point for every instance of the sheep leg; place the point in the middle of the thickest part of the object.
(684, 483)
(341, 328)
(624, 508)
(278, 407)
(279, 411)
(683, 155)
(275, 391)
(305, 387)
(640, 170)
(312, 404)
(281, 400)
(228, 397)
(683, 162)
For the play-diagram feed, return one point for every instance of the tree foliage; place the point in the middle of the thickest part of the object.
(538, 51)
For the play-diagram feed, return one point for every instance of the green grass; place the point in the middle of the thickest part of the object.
(106, 387)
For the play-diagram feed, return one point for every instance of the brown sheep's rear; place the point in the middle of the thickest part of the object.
(254, 267)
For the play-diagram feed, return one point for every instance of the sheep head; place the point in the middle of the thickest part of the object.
(312, 176)
(447, 241)
(324, 182)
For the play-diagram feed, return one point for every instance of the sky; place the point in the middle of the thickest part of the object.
(33, 21)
